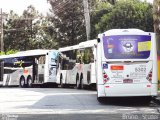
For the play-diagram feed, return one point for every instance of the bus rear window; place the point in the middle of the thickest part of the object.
(127, 46)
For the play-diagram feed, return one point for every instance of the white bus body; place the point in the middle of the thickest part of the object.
(29, 67)
(126, 64)
(79, 72)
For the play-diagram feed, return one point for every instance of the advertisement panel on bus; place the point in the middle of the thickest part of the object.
(127, 46)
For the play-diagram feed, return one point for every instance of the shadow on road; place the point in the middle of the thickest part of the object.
(128, 101)
(78, 101)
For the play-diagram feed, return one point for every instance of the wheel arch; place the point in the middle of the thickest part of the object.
(29, 76)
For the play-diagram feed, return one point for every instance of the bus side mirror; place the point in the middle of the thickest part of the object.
(98, 40)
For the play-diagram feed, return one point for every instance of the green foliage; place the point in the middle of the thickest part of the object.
(11, 52)
(68, 20)
(98, 10)
(29, 31)
(8, 52)
(156, 18)
(85, 57)
(126, 14)
(2, 53)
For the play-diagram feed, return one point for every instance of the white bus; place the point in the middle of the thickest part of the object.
(27, 68)
(126, 64)
(76, 65)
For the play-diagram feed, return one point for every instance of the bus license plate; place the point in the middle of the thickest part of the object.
(127, 81)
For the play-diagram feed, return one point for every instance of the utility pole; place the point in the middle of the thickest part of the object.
(1, 30)
(2, 15)
(87, 18)
(156, 17)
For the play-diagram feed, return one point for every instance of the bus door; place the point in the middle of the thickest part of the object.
(41, 69)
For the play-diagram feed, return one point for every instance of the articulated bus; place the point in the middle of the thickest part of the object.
(27, 68)
(77, 66)
(126, 64)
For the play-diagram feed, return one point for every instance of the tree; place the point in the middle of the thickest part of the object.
(68, 19)
(156, 17)
(111, 1)
(8, 52)
(18, 30)
(98, 9)
(45, 36)
(127, 14)
(29, 31)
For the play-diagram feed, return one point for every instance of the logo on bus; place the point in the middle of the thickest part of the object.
(105, 66)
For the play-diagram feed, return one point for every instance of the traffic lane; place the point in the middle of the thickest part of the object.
(64, 101)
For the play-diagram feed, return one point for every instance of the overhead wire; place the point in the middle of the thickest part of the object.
(62, 6)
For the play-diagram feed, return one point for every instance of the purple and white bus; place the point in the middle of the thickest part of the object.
(126, 64)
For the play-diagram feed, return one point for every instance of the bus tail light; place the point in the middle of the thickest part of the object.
(105, 78)
(149, 77)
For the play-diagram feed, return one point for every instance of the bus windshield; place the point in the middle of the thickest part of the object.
(127, 46)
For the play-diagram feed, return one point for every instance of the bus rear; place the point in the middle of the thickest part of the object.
(128, 63)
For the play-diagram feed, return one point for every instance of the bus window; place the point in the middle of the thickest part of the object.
(41, 60)
(88, 56)
(68, 60)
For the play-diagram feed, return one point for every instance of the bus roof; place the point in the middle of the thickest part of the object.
(131, 31)
(84, 44)
(35, 52)
(89, 43)
(74, 47)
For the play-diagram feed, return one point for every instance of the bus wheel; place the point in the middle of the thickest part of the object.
(101, 99)
(29, 82)
(78, 83)
(81, 82)
(61, 82)
(146, 100)
(22, 82)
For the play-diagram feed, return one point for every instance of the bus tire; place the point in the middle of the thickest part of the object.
(78, 83)
(81, 82)
(29, 82)
(61, 82)
(22, 82)
(101, 99)
(146, 100)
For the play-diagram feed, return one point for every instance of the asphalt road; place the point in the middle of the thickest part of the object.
(68, 104)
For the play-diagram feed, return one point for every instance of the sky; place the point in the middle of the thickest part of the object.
(18, 6)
